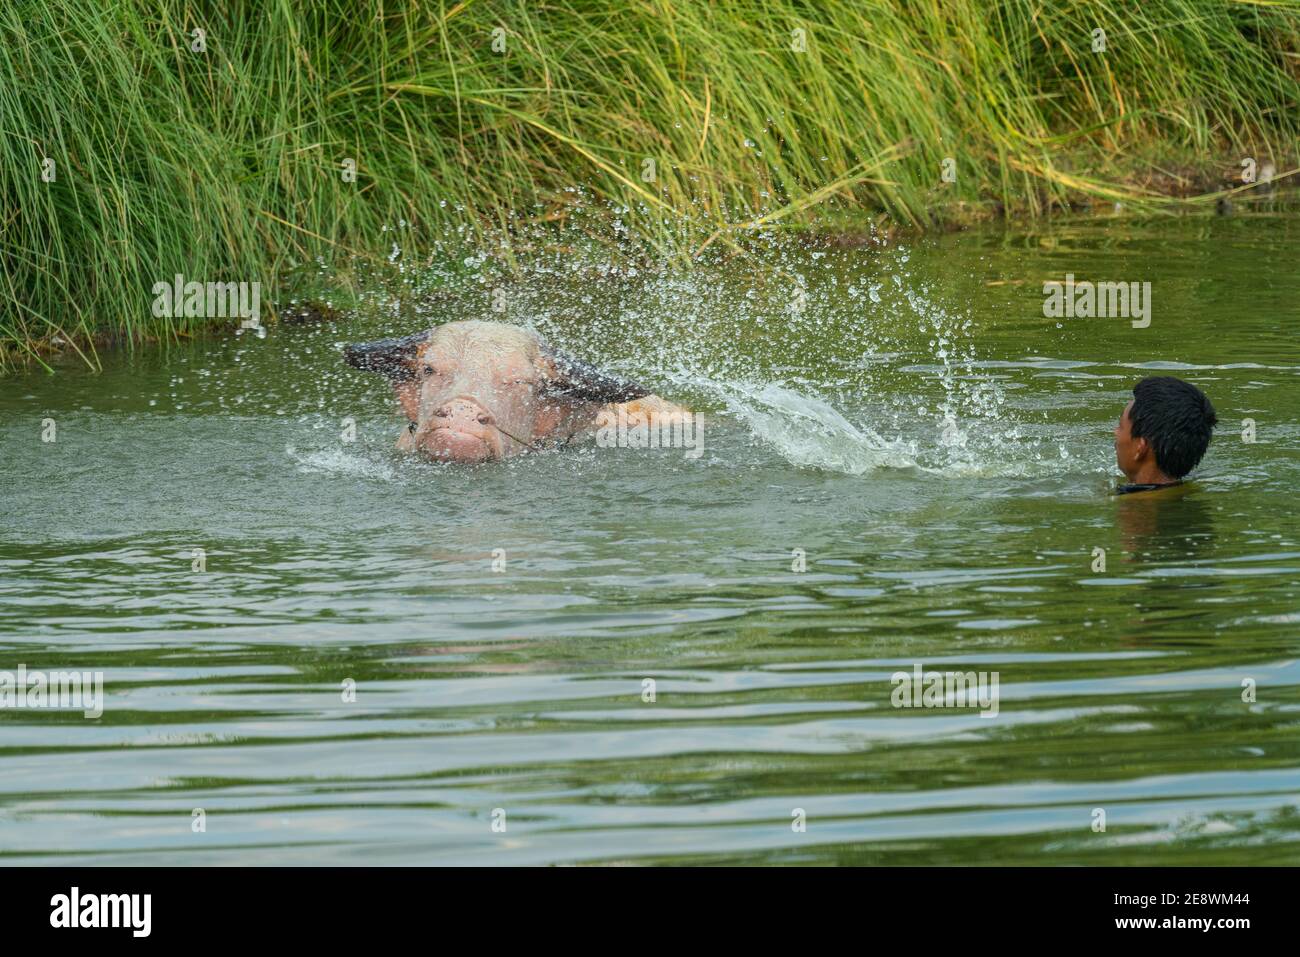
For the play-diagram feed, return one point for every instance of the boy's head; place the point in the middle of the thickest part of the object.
(1164, 431)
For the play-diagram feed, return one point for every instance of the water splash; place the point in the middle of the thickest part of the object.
(337, 461)
(807, 431)
(842, 360)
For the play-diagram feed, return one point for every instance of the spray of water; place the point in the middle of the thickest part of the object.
(838, 359)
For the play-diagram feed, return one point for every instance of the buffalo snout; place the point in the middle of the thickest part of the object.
(459, 430)
(462, 413)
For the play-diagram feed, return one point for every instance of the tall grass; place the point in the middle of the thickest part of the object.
(226, 164)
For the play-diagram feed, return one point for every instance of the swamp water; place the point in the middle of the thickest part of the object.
(905, 425)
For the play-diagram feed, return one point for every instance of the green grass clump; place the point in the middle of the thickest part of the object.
(227, 164)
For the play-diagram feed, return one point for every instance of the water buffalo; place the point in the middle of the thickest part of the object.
(476, 391)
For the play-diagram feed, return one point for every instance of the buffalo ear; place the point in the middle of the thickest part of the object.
(581, 381)
(391, 357)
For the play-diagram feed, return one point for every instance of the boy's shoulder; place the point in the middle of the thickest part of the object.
(1161, 490)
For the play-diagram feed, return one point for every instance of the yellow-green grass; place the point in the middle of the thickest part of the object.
(227, 164)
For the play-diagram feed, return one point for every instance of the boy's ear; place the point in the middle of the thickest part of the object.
(393, 358)
(580, 381)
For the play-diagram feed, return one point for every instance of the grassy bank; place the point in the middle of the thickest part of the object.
(698, 123)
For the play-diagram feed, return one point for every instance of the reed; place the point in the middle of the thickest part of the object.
(689, 124)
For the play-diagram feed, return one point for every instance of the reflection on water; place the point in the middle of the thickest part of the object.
(1166, 525)
(911, 469)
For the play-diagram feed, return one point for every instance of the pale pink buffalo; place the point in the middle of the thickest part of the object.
(476, 391)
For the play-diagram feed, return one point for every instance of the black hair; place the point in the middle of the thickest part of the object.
(1177, 420)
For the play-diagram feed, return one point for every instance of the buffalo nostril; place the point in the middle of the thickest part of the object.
(443, 412)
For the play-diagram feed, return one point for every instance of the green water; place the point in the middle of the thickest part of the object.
(938, 451)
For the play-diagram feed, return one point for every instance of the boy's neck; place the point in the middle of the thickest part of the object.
(1148, 473)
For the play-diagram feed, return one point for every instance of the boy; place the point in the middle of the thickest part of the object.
(1162, 433)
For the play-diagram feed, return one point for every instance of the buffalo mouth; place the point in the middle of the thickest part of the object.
(449, 444)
